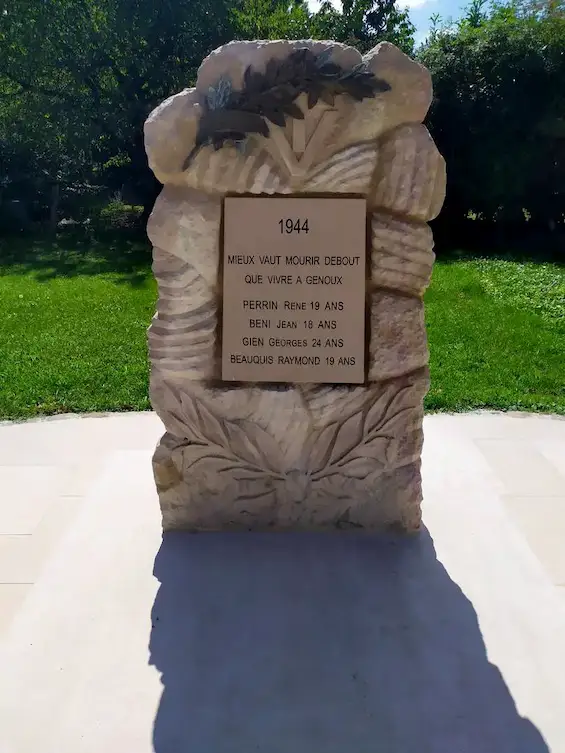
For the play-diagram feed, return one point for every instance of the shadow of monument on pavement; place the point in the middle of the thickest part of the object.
(320, 643)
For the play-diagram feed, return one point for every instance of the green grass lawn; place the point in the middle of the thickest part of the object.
(73, 319)
(497, 336)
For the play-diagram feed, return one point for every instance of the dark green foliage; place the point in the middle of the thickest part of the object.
(359, 23)
(79, 77)
(498, 116)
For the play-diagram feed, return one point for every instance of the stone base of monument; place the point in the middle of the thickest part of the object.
(292, 457)
(288, 350)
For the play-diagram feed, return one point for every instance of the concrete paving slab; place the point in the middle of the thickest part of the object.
(68, 440)
(20, 561)
(554, 451)
(12, 596)
(542, 520)
(27, 495)
(451, 642)
(75, 658)
(524, 471)
(22, 556)
(510, 425)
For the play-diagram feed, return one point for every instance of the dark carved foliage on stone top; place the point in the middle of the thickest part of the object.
(230, 116)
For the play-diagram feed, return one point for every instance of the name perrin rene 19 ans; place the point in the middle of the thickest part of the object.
(263, 305)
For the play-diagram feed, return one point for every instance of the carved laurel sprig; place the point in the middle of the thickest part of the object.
(231, 116)
(243, 445)
(355, 447)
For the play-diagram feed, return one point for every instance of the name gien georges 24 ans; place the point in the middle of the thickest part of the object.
(294, 290)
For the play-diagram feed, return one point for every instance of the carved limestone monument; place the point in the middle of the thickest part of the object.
(253, 441)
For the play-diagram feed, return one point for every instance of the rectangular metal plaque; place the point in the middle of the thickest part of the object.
(294, 290)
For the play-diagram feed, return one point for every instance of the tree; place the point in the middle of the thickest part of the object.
(498, 114)
(541, 8)
(273, 19)
(98, 67)
(359, 23)
(364, 23)
(79, 77)
(38, 151)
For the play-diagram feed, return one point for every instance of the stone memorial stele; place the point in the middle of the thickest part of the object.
(291, 250)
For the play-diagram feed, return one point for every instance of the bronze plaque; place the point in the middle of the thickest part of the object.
(294, 290)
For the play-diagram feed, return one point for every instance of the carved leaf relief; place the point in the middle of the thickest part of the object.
(357, 446)
(334, 458)
(243, 443)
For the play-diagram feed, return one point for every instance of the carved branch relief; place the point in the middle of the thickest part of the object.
(291, 456)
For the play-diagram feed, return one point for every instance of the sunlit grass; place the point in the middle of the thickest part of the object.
(497, 336)
(73, 322)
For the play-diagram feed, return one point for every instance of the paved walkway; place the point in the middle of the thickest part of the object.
(451, 643)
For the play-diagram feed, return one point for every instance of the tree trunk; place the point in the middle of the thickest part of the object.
(54, 207)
